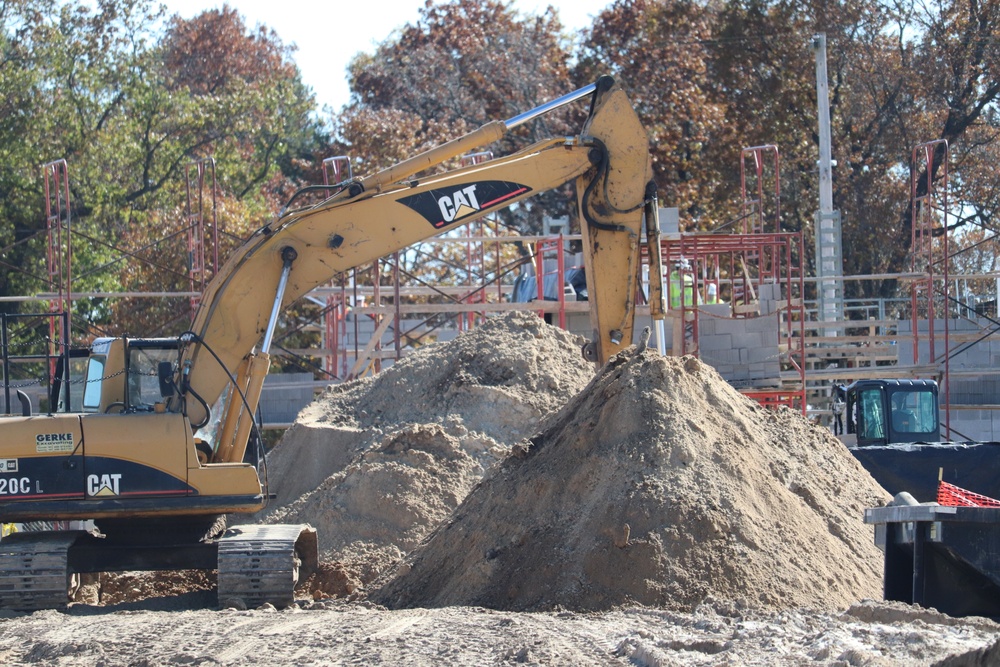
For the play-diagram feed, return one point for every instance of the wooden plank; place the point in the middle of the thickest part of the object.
(365, 357)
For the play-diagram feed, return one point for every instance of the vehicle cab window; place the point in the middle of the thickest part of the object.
(870, 418)
(144, 390)
(92, 386)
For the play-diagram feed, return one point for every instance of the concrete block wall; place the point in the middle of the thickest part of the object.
(983, 358)
(743, 350)
(366, 329)
(284, 396)
(359, 330)
(985, 354)
(983, 388)
(974, 425)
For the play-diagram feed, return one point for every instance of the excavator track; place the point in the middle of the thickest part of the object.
(34, 570)
(260, 564)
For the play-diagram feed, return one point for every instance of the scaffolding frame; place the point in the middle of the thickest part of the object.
(748, 260)
(726, 256)
(336, 170)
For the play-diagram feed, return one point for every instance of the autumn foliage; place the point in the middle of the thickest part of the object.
(131, 98)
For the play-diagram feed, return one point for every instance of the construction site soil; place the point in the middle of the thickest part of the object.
(490, 500)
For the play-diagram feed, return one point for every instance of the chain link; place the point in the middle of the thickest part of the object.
(46, 340)
(29, 383)
(42, 381)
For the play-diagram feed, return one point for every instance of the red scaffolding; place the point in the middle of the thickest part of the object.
(723, 260)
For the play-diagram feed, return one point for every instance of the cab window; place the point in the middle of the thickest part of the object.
(92, 387)
(143, 379)
(913, 414)
(871, 421)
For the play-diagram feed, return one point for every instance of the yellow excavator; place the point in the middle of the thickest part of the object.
(158, 455)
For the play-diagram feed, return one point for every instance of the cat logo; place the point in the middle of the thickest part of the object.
(460, 204)
(445, 207)
(103, 485)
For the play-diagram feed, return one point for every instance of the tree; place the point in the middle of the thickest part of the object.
(908, 74)
(223, 92)
(657, 50)
(464, 63)
(130, 108)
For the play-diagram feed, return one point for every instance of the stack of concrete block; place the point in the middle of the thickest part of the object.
(743, 350)
(769, 296)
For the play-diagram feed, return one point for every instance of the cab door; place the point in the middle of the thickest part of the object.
(870, 416)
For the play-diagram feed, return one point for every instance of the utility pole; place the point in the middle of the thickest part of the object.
(829, 243)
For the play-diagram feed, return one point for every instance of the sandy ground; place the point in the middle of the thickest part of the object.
(492, 501)
(174, 631)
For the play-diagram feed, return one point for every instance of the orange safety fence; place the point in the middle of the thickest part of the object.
(955, 496)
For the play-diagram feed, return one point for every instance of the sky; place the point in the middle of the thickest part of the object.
(328, 33)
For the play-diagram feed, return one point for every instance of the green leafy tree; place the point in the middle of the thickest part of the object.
(130, 106)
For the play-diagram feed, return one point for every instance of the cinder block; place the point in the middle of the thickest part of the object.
(733, 327)
(748, 340)
(718, 342)
(717, 310)
(763, 324)
(763, 354)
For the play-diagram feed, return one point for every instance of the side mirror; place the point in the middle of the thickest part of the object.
(25, 403)
(165, 374)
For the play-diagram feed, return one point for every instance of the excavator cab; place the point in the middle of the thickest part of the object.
(129, 375)
(884, 412)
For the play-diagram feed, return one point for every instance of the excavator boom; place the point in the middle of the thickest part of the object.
(394, 209)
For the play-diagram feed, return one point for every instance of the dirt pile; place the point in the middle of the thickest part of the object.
(377, 463)
(658, 485)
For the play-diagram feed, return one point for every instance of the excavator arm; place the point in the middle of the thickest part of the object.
(395, 208)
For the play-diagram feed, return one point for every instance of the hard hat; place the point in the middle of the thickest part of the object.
(682, 263)
(712, 289)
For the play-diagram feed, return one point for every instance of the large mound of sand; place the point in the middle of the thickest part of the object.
(377, 463)
(659, 485)
(500, 378)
